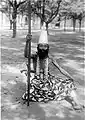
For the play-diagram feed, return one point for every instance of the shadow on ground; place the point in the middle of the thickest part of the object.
(14, 108)
(67, 48)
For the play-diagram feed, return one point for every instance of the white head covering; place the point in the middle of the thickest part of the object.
(43, 36)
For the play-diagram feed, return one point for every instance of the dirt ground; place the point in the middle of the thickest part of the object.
(67, 48)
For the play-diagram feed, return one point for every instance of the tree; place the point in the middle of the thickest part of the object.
(80, 17)
(47, 10)
(11, 10)
(23, 9)
(73, 10)
(64, 12)
(77, 12)
(6, 9)
(15, 5)
(81, 13)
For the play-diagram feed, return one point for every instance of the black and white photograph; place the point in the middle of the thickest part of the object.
(42, 59)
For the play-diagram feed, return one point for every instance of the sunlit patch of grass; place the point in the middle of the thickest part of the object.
(3, 84)
(53, 109)
(12, 82)
(8, 48)
(81, 49)
(13, 107)
(60, 114)
(19, 53)
(80, 55)
(72, 63)
(11, 69)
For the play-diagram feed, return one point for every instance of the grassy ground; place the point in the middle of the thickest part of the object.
(67, 48)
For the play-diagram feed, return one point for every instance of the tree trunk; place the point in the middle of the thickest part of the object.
(74, 24)
(47, 28)
(10, 24)
(65, 24)
(14, 16)
(14, 28)
(40, 19)
(43, 14)
(34, 21)
(1, 19)
(41, 24)
(79, 25)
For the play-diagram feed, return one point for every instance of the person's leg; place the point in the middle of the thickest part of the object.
(38, 67)
(46, 68)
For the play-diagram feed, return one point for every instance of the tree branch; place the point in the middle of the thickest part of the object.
(38, 14)
(53, 15)
(20, 3)
(11, 3)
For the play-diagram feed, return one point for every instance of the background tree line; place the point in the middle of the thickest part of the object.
(46, 10)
